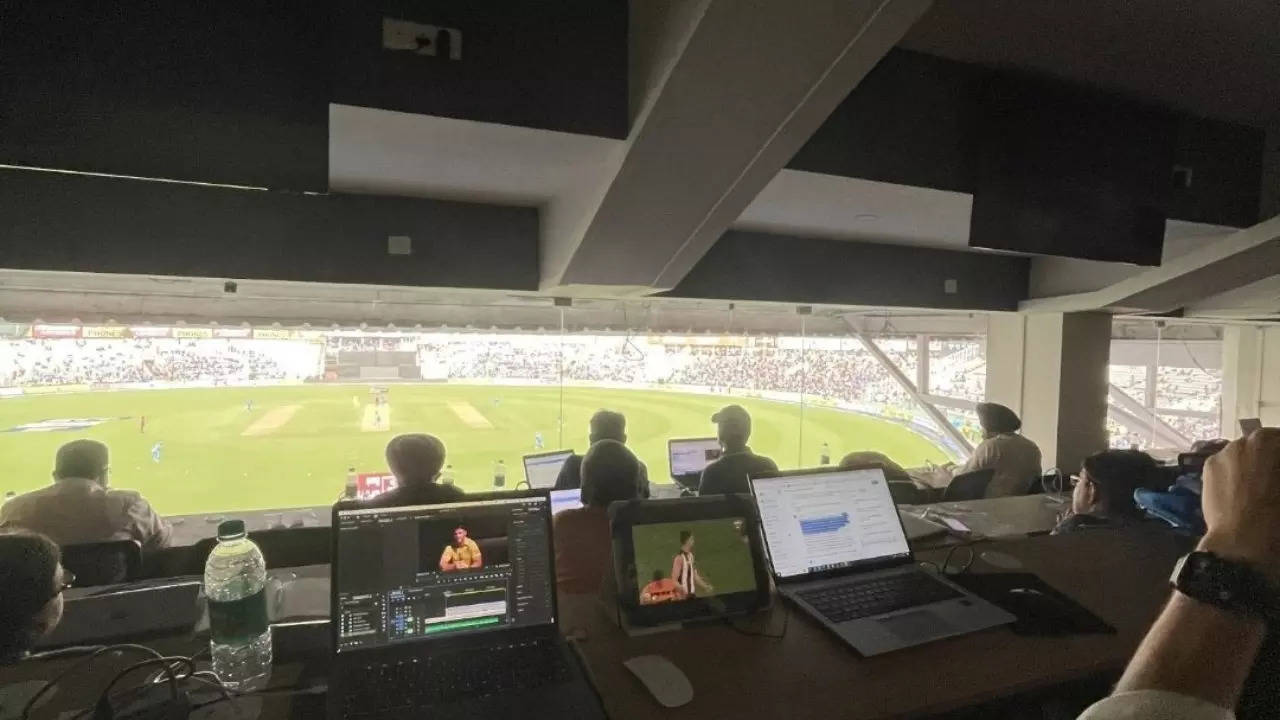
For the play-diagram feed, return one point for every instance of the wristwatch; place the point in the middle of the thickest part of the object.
(1234, 586)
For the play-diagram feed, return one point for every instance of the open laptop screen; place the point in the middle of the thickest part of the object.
(816, 522)
(689, 456)
(427, 571)
(543, 469)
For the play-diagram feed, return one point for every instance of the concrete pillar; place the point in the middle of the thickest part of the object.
(1242, 351)
(1051, 368)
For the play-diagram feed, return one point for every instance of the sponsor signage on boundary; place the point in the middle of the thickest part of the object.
(372, 484)
(55, 331)
(272, 334)
(59, 424)
(232, 332)
(105, 331)
(147, 331)
(14, 330)
(192, 333)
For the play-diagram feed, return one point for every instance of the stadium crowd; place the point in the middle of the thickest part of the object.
(94, 361)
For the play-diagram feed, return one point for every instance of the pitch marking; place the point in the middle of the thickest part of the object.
(469, 415)
(272, 420)
(376, 419)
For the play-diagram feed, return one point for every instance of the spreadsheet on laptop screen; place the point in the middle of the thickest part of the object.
(823, 521)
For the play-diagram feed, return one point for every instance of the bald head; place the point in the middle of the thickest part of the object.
(415, 459)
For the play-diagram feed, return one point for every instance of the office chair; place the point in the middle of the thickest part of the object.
(104, 563)
(969, 486)
(905, 493)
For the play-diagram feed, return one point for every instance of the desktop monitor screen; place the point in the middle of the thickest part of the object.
(543, 469)
(819, 521)
(562, 500)
(690, 455)
(420, 572)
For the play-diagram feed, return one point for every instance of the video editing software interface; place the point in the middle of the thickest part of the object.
(689, 457)
(543, 470)
(824, 521)
(424, 571)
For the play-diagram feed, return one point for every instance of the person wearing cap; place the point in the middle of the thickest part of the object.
(1015, 459)
(80, 508)
(728, 473)
(416, 460)
(604, 425)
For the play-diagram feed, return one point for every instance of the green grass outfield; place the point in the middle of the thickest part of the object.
(209, 464)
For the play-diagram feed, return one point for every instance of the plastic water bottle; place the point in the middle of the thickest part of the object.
(447, 477)
(235, 584)
(353, 485)
(500, 475)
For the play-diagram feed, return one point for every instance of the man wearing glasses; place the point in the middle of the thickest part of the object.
(1102, 494)
(31, 583)
(79, 508)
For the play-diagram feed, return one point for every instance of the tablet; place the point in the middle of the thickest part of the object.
(688, 559)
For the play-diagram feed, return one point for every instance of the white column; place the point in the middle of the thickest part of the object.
(1241, 380)
(1051, 368)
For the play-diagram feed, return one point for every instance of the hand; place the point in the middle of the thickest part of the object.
(1242, 501)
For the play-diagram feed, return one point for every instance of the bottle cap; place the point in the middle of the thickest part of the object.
(231, 529)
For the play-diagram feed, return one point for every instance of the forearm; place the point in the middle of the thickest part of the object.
(1198, 650)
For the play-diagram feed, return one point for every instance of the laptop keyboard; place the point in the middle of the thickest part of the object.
(393, 689)
(868, 597)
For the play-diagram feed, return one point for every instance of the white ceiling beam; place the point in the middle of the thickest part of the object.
(740, 92)
(1235, 261)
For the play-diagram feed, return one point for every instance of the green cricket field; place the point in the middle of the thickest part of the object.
(293, 445)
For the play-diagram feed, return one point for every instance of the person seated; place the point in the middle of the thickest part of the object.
(610, 473)
(1015, 459)
(1196, 660)
(728, 473)
(893, 472)
(462, 554)
(416, 459)
(903, 489)
(31, 583)
(1103, 491)
(80, 508)
(604, 425)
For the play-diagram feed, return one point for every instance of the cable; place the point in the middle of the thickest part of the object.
(945, 567)
(166, 662)
(268, 692)
(26, 710)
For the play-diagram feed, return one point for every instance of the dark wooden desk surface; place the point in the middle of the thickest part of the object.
(1119, 575)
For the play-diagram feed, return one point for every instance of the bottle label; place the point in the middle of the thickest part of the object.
(237, 621)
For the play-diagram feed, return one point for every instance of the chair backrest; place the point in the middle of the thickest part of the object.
(104, 563)
(281, 548)
(905, 493)
(969, 486)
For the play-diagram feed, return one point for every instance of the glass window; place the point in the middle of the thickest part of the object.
(958, 368)
(1166, 389)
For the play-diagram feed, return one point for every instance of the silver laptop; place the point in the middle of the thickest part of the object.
(541, 470)
(839, 552)
(449, 611)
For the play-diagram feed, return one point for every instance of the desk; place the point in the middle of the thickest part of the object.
(1121, 575)
(191, 529)
(1000, 517)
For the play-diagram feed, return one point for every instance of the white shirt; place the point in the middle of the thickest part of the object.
(1144, 704)
(74, 511)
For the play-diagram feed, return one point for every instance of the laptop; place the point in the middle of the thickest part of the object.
(146, 609)
(562, 500)
(1249, 425)
(839, 552)
(449, 610)
(541, 470)
(688, 456)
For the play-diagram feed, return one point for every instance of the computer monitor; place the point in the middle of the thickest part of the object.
(562, 500)
(817, 521)
(417, 573)
(688, 456)
(1249, 425)
(542, 469)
